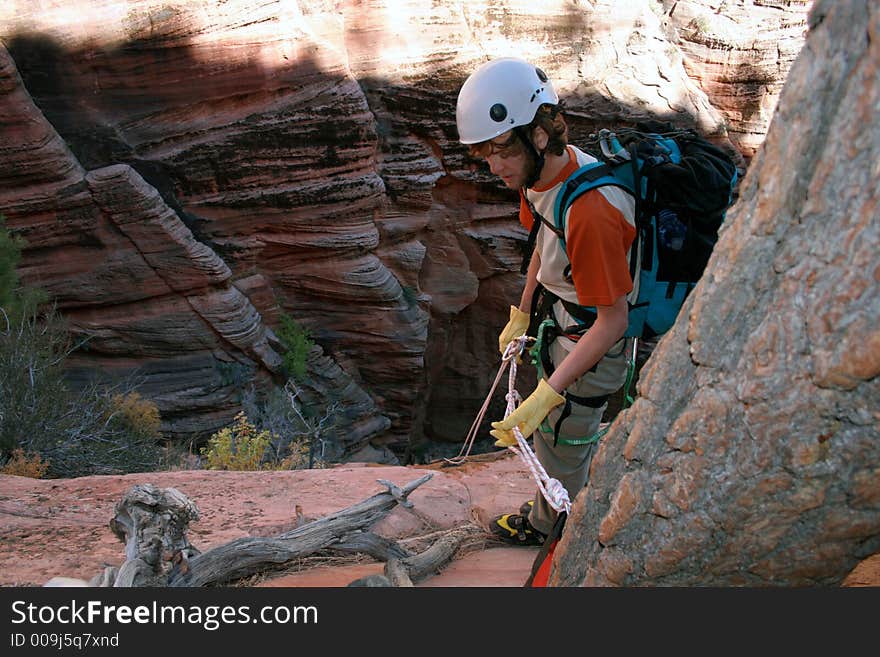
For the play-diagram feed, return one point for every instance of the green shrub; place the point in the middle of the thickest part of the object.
(297, 343)
(297, 432)
(239, 447)
(244, 446)
(92, 430)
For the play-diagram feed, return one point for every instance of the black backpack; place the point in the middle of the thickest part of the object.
(683, 186)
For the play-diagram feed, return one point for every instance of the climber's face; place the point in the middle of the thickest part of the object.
(507, 158)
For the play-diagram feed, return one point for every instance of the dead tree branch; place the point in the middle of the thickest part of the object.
(246, 556)
(415, 568)
(152, 523)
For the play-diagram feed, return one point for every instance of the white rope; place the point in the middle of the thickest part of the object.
(552, 490)
(506, 359)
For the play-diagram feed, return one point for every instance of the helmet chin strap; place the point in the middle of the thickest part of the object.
(522, 132)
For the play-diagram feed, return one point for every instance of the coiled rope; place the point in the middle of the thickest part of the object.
(552, 490)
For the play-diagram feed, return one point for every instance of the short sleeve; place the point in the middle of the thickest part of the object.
(598, 243)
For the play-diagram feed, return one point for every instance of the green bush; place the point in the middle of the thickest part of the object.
(297, 344)
(239, 447)
(245, 446)
(92, 430)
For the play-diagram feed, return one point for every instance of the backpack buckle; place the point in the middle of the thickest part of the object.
(612, 150)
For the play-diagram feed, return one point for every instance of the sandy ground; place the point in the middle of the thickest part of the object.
(59, 528)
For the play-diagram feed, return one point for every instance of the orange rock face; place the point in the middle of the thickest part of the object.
(755, 435)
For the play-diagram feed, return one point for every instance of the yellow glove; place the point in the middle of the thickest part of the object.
(527, 416)
(519, 322)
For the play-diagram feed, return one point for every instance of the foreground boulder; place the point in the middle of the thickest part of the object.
(750, 457)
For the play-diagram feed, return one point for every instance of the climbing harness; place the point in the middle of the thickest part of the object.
(552, 490)
(546, 332)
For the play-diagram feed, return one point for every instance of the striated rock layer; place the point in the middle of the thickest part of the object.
(146, 297)
(751, 456)
(195, 170)
(741, 53)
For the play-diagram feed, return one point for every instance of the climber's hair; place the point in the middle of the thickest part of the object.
(549, 118)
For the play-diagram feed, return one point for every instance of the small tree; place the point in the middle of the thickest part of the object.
(297, 343)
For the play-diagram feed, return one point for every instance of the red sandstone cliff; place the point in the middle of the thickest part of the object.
(185, 173)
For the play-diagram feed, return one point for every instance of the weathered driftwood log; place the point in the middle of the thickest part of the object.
(397, 574)
(378, 547)
(136, 572)
(105, 578)
(372, 581)
(441, 552)
(402, 570)
(152, 522)
(247, 556)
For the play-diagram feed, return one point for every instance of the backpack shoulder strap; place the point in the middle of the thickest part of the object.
(623, 172)
(589, 177)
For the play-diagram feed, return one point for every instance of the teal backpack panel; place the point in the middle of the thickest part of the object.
(680, 203)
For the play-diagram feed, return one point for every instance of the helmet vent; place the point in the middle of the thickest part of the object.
(498, 112)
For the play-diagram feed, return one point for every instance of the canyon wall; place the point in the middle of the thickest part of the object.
(186, 173)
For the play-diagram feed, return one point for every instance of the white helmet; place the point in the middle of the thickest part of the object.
(500, 95)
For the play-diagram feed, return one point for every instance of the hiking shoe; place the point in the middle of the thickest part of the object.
(515, 528)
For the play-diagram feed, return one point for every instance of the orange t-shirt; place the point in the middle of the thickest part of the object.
(598, 239)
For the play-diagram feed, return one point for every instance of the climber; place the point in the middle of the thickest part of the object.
(509, 115)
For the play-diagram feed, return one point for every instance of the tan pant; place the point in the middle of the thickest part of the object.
(570, 464)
